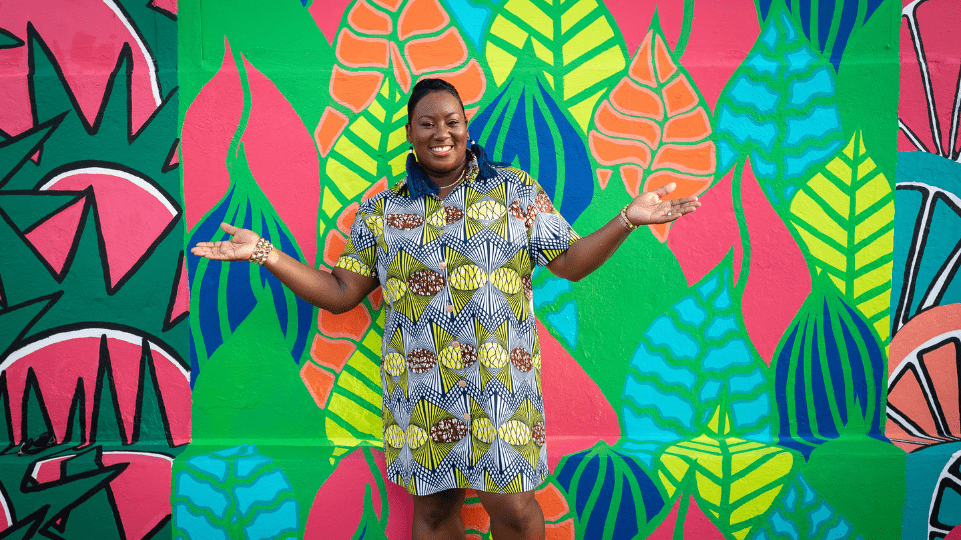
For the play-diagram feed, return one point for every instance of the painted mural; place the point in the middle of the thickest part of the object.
(782, 364)
(94, 343)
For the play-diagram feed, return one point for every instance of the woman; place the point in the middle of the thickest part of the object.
(453, 246)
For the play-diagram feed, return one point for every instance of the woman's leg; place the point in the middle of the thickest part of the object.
(437, 516)
(514, 515)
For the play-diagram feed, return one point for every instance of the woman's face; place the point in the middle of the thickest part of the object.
(438, 132)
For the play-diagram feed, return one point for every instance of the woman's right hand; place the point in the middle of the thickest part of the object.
(239, 248)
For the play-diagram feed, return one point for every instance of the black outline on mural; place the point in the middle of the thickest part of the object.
(17, 41)
(101, 375)
(174, 148)
(51, 299)
(930, 195)
(150, 57)
(113, 470)
(152, 6)
(50, 125)
(74, 243)
(31, 387)
(168, 322)
(174, 222)
(920, 371)
(5, 398)
(105, 375)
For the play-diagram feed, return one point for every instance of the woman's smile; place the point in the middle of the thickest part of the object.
(438, 133)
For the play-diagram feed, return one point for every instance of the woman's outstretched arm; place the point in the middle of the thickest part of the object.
(337, 291)
(590, 252)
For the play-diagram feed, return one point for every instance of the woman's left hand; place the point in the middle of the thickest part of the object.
(648, 208)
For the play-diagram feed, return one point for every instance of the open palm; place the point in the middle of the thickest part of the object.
(239, 248)
(650, 208)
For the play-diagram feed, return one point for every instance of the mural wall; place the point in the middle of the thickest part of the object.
(782, 364)
(94, 339)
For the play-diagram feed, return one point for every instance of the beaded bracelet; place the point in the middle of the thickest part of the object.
(263, 249)
(626, 222)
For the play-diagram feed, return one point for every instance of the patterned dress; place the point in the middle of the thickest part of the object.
(460, 359)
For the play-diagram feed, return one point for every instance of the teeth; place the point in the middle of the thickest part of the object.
(441, 148)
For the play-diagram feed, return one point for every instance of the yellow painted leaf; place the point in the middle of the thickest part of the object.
(576, 44)
(845, 217)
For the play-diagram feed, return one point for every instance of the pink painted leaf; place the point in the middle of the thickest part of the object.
(696, 526)
(575, 420)
(778, 279)
(344, 490)
(283, 159)
(209, 125)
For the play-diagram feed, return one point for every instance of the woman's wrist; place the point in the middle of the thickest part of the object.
(625, 221)
(261, 252)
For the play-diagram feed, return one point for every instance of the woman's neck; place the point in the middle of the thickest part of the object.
(447, 181)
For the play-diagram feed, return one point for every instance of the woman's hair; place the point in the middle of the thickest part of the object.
(428, 86)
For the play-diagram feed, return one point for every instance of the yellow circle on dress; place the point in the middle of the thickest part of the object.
(507, 280)
(394, 436)
(515, 432)
(483, 430)
(493, 356)
(486, 210)
(468, 277)
(395, 364)
(450, 357)
(416, 436)
(394, 289)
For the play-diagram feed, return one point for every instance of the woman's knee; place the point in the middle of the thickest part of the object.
(516, 511)
(438, 508)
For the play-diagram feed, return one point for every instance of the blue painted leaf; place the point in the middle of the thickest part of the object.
(523, 126)
(691, 361)
(829, 373)
(828, 23)
(601, 482)
(779, 110)
(224, 294)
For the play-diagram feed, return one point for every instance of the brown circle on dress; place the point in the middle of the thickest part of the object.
(528, 287)
(405, 222)
(543, 202)
(521, 359)
(452, 214)
(537, 433)
(468, 354)
(421, 360)
(426, 283)
(448, 430)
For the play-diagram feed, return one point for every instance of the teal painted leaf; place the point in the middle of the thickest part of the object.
(801, 514)
(693, 360)
(779, 109)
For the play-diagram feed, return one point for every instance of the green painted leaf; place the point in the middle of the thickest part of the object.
(577, 46)
(845, 217)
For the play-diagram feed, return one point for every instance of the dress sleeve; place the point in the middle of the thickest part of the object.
(550, 234)
(360, 254)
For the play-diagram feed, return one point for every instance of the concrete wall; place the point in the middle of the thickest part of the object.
(782, 364)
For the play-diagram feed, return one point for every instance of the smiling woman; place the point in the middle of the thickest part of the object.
(454, 245)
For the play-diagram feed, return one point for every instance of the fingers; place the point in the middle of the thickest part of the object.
(229, 229)
(664, 190)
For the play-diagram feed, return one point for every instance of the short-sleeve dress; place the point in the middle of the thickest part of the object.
(460, 358)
